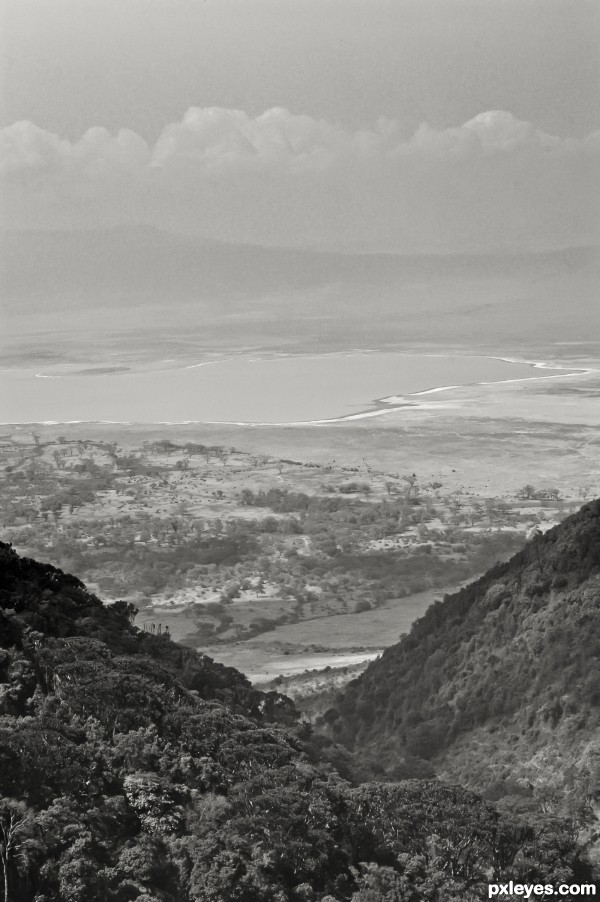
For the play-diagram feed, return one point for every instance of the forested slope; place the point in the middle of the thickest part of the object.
(135, 769)
(500, 681)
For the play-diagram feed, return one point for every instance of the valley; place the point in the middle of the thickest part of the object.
(281, 550)
(300, 451)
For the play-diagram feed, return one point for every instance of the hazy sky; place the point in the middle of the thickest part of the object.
(400, 124)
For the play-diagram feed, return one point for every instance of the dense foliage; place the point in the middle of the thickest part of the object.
(500, 681)
(136, 769)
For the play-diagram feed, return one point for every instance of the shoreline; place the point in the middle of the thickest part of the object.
(381, 406)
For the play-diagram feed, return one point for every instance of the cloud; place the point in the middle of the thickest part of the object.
(494, 181)
(29, 153)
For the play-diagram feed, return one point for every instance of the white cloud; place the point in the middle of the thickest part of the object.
(284, 178)
(27, 152)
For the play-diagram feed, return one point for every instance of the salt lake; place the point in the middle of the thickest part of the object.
(253, 390)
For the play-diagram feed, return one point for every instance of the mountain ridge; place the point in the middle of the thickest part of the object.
(241, 296)
(60, 252)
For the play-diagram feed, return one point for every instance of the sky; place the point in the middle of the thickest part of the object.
(399, 125)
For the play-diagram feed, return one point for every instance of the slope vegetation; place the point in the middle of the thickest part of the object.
(500, 682)
(135, 769)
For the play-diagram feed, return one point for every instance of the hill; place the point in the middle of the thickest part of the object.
(135, 769)
(76, 267)
(498, 685)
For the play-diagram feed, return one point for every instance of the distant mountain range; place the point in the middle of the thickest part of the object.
(143, 259)
(498, 685)
(249, 294)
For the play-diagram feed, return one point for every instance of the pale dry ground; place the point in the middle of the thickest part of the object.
(311, 689)
(264, 669)
(493, 440)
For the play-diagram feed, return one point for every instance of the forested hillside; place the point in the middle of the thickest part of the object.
(498, 686)
(135, 769)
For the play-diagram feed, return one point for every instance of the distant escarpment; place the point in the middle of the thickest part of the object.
(498, 685)
(133, 769)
